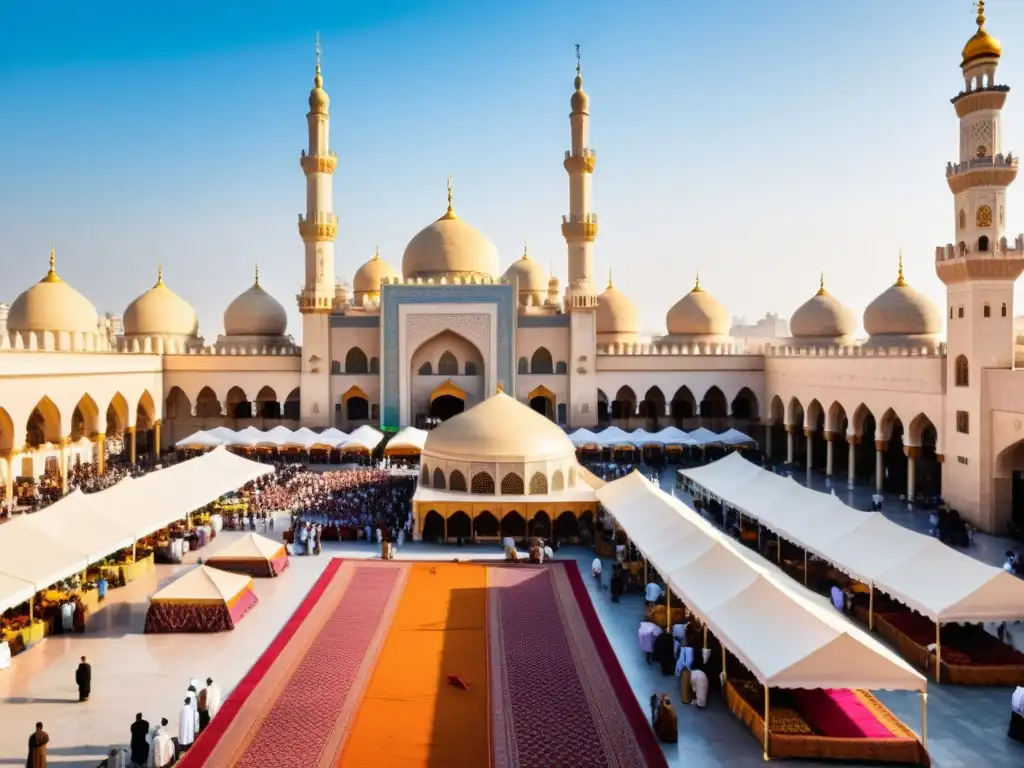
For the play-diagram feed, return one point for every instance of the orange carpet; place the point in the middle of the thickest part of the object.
(410, 715)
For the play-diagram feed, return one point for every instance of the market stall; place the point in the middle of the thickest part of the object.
(198, 441)
(407, 442)
(253, 555)
(362, 440)
(203, 600)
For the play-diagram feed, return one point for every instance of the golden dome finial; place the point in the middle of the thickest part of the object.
(610, 283)
(526, 250)
(980, 7)
(318, 80)
(159, 275)
(52, 276)
(821, 284)
(982, 44)
(696, 284)
(376, 252)
(256, 274)
(450, 213)
(900, 280)
(579, 71)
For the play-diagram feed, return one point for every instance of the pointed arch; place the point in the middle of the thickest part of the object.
(176, 404)
(684, 404)
(624, 404)
(744, 406)
(557, 481)
(541, 361)
(513, 525)
(889, 425)
(425, 476)
(713, 404)
(483, 484)
(795, 413)
(540, 524)
(85, 418)
(918, 426)
(356, 403)
(116, 418)
(814, 416)
(207, 404)
(293, 404)
(267, 404)
(457, 481)
(538, 484)
(447, 364)
(837, 422)
(485, 524)
(776, 411)
(356, 361)
(653, 404)
(860, 416)
(145, 410)
(7, 437)
(459, 526)
(43, 425)
(238, 403)
(439, 479)
(512, 485)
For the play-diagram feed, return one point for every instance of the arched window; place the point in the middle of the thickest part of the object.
(541, 361)
(439, 479)
(355, 361)
(986, 311)
(983, 220)
(374, 365)
(447, 365)
(961, 374)
(1004, 309)
(524, 365)
(960, 312)
(426, 369)
(561, 367)
(457, 481)
(470, 368)
(512, 485)
(983, 244)
(483, 483)
(425, 476)
(538, 484)
(558, 481)
(962, 220)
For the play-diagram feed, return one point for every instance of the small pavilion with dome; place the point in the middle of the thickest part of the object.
(501, 470)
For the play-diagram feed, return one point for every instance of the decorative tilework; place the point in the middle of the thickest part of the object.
(392, 296)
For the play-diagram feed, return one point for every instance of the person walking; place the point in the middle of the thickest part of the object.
(83, 679)
(37, 748)
(140, 742)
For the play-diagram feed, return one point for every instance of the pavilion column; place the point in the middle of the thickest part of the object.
(851, 460)
(911, 452)
(768, 440)
(254, 409)
(880, 446)
(809, 435)
(131, 443)
(156, 438)
(829, 454)
(64, 443)
(101, 452)
(280, 410)
(790, 429)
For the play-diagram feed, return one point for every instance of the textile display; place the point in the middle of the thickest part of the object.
(800, 741)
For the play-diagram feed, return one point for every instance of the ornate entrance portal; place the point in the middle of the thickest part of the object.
(447, 400)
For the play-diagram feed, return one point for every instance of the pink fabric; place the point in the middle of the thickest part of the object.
(647, 633)
(242, 605)
(278, 564)
(838, 713)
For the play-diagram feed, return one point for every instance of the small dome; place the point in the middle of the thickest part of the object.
(580, 100)
(368, 278)
(822, 316)
(498, 429)
(449, 247)
(52, 305)
(255, 313)
(616, 314)
(530, 277)
(160, 312)
(698, 313)
(901, 314)
(319, 101)
(982, 44)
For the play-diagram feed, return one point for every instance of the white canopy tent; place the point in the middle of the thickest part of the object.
(703, 436)
(613, 437)
(914, 568)
(70, 519)
(30, 555)
(365, 438)
(332, 437)
(786, 635)
(641, 437)
(246, 438)
(673, 436)
(407, 440)
(734, 437)
(224, 434)
(582, 437)
(303, 437)
(14, 591)
(199, 440)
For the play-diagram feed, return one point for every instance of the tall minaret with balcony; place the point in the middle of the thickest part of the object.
(318, 229)
(579, 229)
(979, 270)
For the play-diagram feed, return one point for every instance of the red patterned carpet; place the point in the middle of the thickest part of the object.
(557, 696)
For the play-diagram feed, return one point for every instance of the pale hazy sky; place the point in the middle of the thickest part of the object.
(757, 141)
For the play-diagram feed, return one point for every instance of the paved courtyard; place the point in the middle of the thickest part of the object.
(149, 673)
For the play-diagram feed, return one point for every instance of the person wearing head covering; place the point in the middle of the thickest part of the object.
(139, 742)
(1016, 731)
(37, 748)
(699, 682)
(163, 746)
(663, 719)
(188, 725)
(83, 679)
(213, 697)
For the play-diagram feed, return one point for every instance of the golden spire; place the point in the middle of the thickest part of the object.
(821, 284)
(980, 7)
(526, 250)
(159, 275)
(256, 275)
(981, 44)
(376, 252)
(318, 80)
(900, 281)
(610, 283)
(500, 389)
(52, 276)
(450, 213)
(579, 75)
(696, 284)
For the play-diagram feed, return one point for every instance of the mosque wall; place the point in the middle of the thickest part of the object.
(355, 350)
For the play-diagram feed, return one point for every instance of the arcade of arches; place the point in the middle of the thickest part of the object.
(493, 521)
(896, 458)
(654, 411)
(263, 409)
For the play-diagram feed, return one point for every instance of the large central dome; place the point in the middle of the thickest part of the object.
(450, 248)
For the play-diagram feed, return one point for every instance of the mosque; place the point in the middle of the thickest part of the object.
(902, 409)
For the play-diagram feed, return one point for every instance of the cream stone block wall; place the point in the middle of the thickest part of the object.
(555, 340)
(366, 340)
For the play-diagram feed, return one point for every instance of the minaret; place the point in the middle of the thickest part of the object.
(579, 229)
(318, 229)
(979, 272)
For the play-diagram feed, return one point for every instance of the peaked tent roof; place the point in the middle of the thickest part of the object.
(365, 437)
(201, 439)
(204, 584)
(786, 635)
(69, 520)
(409, 438)
(673, 436)
(14, 591)
(702, 436)
(583, 437)
(333, 436)
(613, 436)
(303, 437)
(249, 547)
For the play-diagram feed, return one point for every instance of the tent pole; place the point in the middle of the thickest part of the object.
(871, 606)
(133, 551)
(805, 567)
(758, 537)
(778, 549)
(31, 602)
(924, 719)
(767, 719)
(723, 666)
(705, 647)
(938, 650)
(668, 608)
(645, 571)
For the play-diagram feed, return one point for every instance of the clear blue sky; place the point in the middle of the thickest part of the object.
(757, 141)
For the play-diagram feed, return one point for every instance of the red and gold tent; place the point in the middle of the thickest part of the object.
(203, 600)
(253, 555)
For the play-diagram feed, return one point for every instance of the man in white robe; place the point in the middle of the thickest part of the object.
(162, 752)
(188, 725)
(213, 697)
